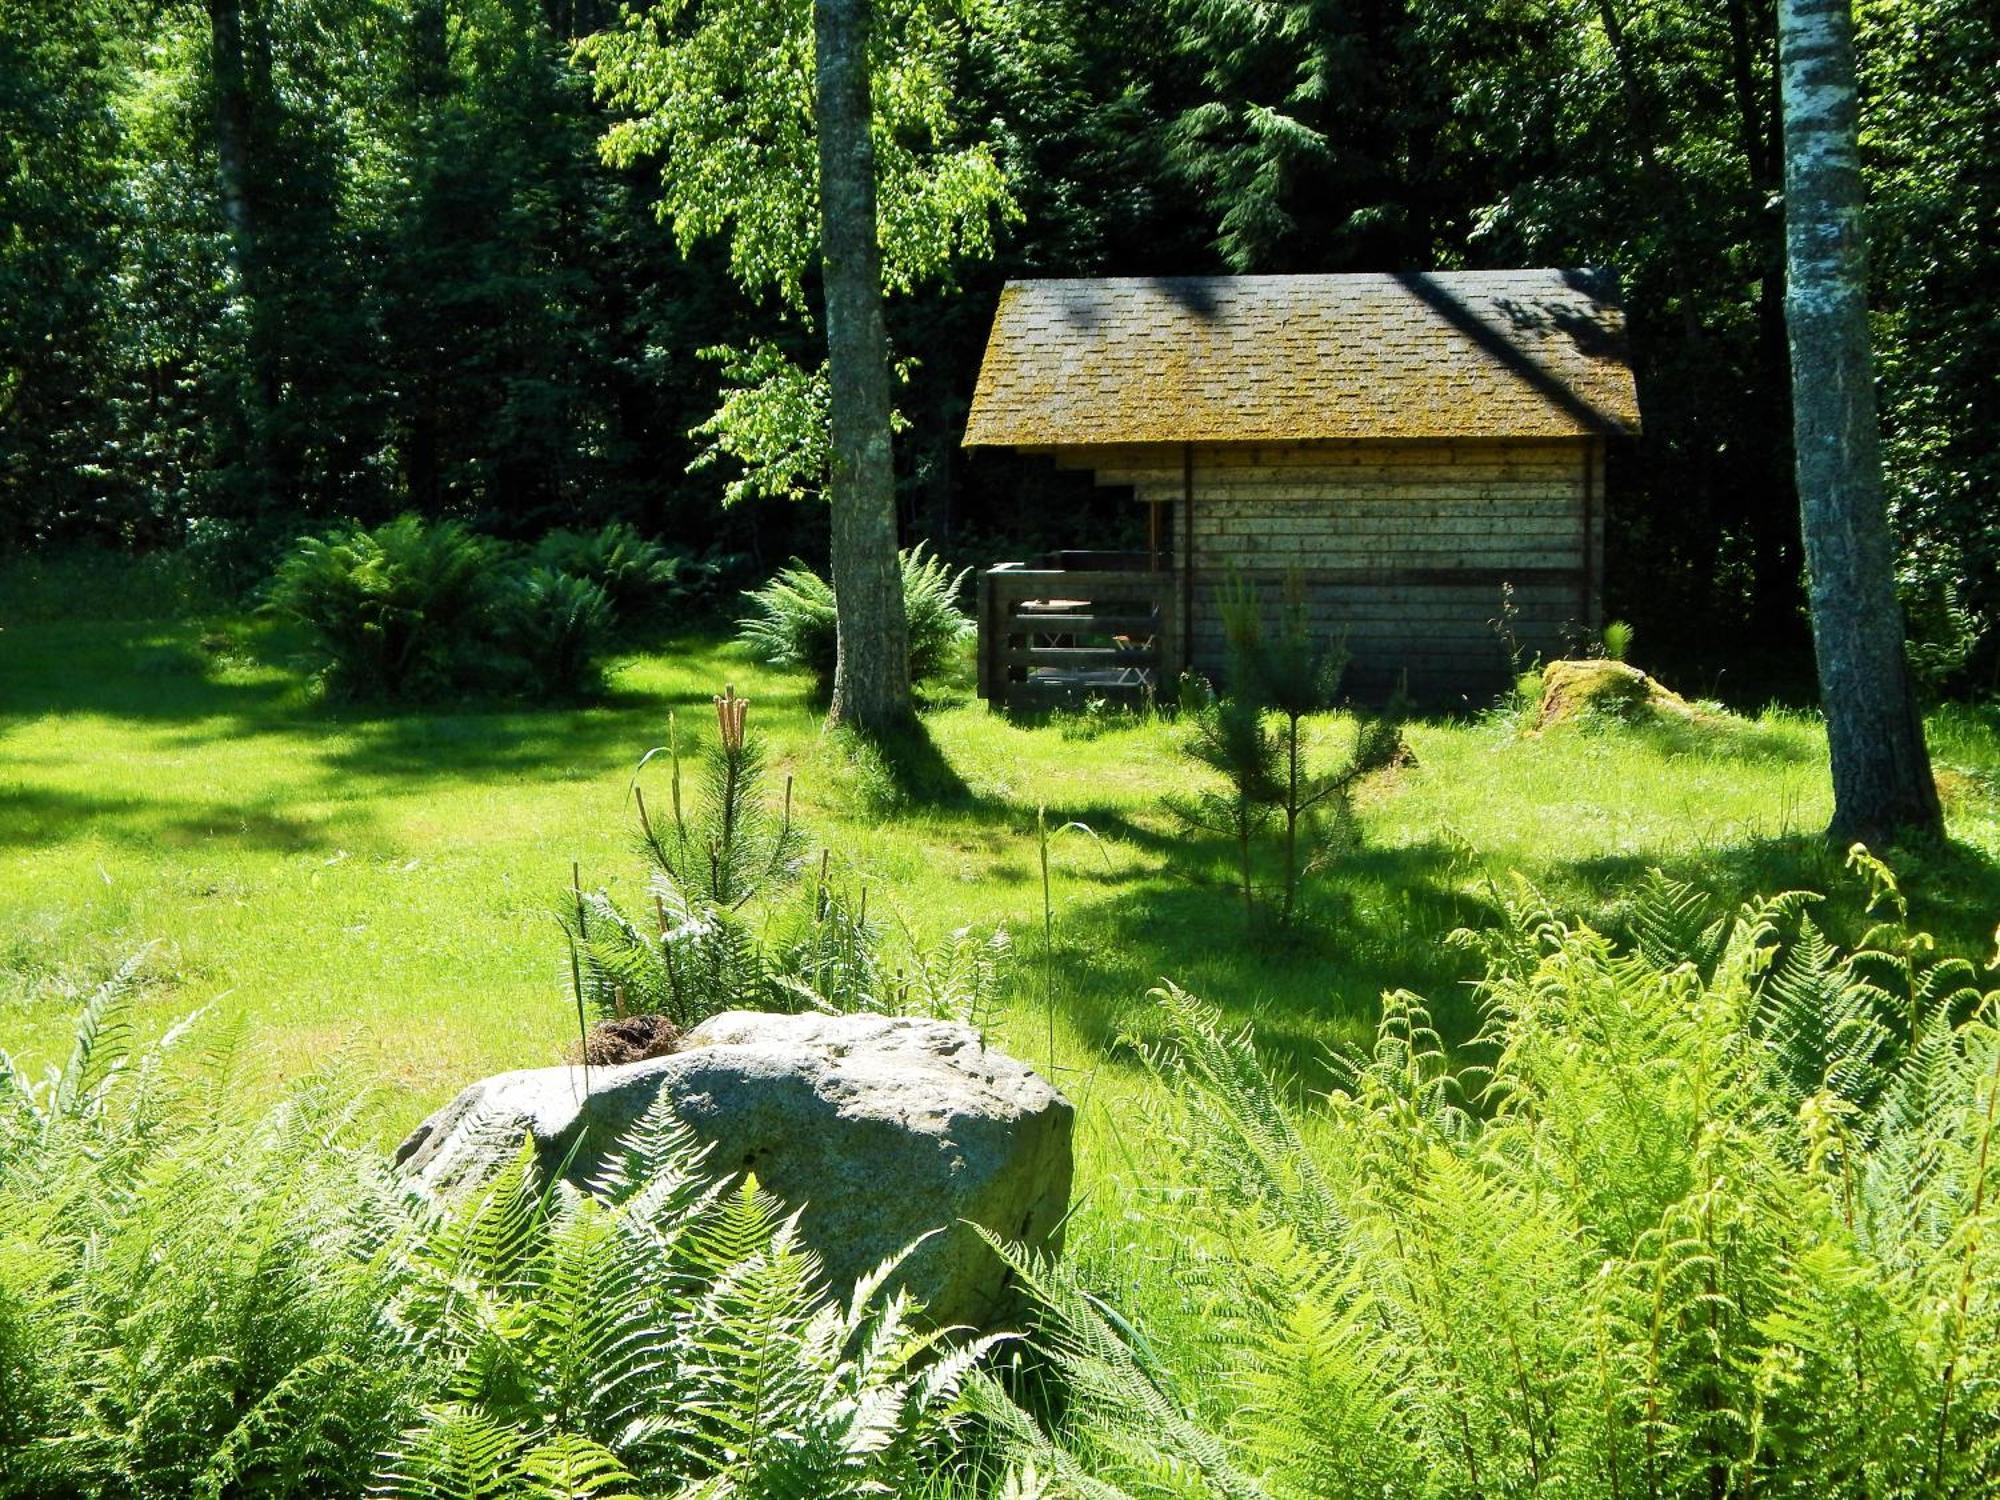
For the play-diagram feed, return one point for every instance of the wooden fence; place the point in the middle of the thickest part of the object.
(1092, 625)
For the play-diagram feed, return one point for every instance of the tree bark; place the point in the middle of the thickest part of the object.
(871, 677)
(232, 130)
(240, 65)
(1882, 782)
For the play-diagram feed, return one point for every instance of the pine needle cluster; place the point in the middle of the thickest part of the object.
(718, 938)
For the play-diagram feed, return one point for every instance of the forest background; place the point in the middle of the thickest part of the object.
(373, 257)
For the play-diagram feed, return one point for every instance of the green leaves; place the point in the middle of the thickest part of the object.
(413, 609)
(720, 93)
(792, 623)
(392, 609)
(1253, 738)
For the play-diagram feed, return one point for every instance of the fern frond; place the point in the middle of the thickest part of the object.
(453, 1453)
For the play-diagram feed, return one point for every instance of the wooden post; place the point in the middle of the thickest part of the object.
(988, 625)
(1187, 555)
(1587, 603)
(1169, 662)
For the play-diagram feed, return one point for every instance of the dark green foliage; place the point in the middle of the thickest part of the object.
(59, 194)
(399, 612)
(1929, 118)
(455, 307)
(558, 627)
(791, 623)
(411, 611)
(646, 583)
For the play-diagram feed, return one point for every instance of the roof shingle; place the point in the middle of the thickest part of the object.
(1503, 354)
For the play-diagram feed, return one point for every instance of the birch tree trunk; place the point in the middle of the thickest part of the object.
(871, 677)
(1882, 782)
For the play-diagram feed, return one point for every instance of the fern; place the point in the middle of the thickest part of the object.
(196, 1300)
(1723, 1225)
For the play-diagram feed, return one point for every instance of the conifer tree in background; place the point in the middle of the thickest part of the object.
(240, 82)
(1882, 782)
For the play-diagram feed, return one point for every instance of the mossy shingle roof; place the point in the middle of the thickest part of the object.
(1501, 354)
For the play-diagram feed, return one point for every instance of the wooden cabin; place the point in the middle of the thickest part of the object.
(1407, 447)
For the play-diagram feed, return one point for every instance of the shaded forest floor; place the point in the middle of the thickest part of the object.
(382, 883)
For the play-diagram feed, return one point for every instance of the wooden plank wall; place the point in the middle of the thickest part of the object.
(1404, 546)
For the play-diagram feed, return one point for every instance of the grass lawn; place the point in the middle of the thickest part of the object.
(382, 883)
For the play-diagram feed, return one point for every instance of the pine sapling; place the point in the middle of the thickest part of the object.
(735, 844)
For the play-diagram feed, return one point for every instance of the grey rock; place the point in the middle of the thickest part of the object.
(880, 1129)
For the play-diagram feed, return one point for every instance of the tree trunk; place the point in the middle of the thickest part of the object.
(871, 677)
(1882, 782)
(232, 131)
(240, 65)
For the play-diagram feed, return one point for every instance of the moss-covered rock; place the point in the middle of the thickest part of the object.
(1609, 689)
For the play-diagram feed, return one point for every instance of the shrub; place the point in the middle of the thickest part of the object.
(645, 583)
(700, 950)
(557, 627)
(399, 612)
(1716, 1214)
(191, 1301)
(792, 622)
(413, 610)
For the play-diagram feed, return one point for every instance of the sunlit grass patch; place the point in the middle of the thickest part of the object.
(384, 880)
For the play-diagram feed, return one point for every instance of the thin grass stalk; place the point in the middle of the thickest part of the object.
(576, 971)
(1293, 810)
(1961, 1307)
(1048, 933)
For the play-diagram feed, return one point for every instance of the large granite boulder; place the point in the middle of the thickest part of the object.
(880, 1128)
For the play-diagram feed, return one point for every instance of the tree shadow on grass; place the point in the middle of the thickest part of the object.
(905, 766)
(158, 673)
(1380, 917)
(493, 734)
(1953, 889)
(491, 741)
(41, 817)
(1378, 921)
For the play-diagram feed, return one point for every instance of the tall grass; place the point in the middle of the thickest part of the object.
(1717, 1214)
